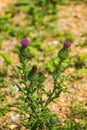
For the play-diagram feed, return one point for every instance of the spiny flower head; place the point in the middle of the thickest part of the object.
(63, 53)
(25, 42)
(67, 43)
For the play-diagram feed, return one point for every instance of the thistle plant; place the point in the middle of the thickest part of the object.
(34, 97)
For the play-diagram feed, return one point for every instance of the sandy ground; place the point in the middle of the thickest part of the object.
(73, 18)
(4, 5)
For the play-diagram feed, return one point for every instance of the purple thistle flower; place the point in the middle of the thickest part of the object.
(67, 43)
(25, 42)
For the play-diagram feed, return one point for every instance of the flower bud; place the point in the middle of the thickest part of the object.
(63, 54)
(67, 44)
(53, 119)
(25, 42)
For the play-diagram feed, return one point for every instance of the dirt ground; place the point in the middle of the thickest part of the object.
(73, 18)
(4, 5)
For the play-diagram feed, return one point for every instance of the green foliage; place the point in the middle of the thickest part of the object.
(83, 57)
(6, 57)
(32, 88)
(33, 51)
(62, 2)
(40, 22)
(3, 72)
(3, 107)
(22, 2)
(80, 0)
(70, 125)
(83, 71)
(79, 110)
(67, 35)
(79, 62)
(49, 66)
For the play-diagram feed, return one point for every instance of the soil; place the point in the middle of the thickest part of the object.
(73, 18)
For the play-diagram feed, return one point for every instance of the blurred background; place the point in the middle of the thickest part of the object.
(46, 23)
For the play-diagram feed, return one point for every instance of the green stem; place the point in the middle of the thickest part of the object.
(56, 75)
